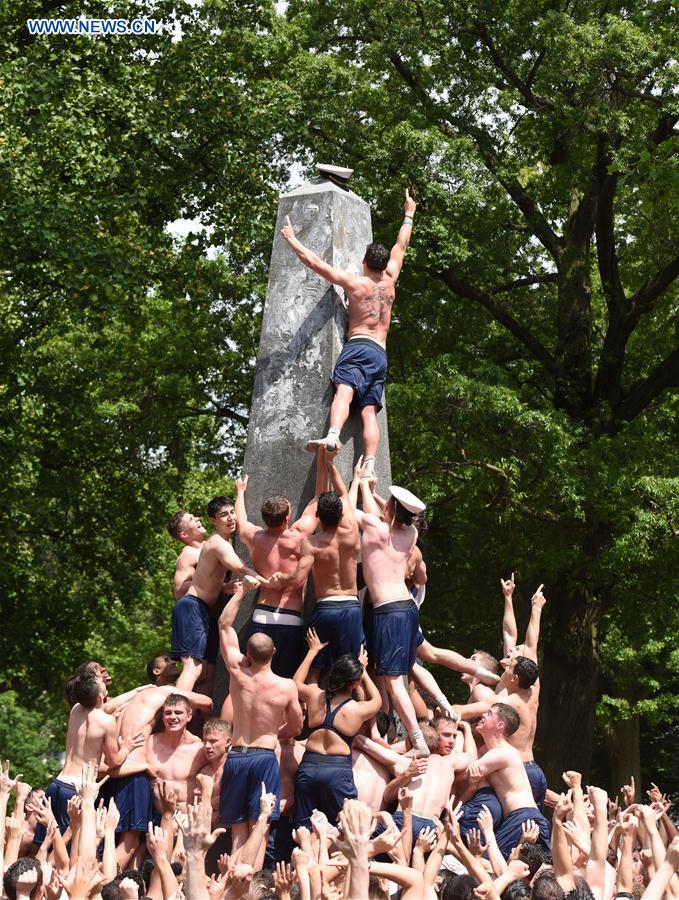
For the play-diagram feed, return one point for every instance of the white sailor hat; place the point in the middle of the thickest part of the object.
(407, 499)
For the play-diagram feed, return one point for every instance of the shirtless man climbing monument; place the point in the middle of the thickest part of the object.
(362, 364)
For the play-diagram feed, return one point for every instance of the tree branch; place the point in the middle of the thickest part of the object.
(644, 392)
(547, 278)
(500, 314)
(538, 104)
(642, 301)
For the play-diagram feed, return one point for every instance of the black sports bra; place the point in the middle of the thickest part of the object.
(329, 722)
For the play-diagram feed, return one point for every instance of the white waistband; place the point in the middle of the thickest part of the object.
(74, 780)
(275, 617)
(341, 597)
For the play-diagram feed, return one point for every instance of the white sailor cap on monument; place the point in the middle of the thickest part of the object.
(407, 499)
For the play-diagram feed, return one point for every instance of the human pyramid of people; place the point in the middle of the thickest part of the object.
(304, 785)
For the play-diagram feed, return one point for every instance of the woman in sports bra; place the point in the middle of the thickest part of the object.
(324, 777)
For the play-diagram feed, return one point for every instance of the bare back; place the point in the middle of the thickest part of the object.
(87, 731)
(260, 701)
(525, 701)
(370, 304)
(217, 556)
(385, 559)
(335, 554)
(278, 551)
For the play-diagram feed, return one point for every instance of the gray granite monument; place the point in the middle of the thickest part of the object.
(303, 328)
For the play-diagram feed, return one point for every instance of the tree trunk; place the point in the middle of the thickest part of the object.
(571, 680)
(624, 750)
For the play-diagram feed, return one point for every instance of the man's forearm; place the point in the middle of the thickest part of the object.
(195, 875)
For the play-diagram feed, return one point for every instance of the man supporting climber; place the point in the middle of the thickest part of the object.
(362, 364)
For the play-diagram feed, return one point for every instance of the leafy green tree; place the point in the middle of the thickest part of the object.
(535, 347)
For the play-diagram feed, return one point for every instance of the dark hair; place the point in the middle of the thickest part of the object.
(176, 700)
(527, 671)
(581, 891)
(86, 689)
(146, 868)
(16, 870)
(509, 716)
(343, 673)
(375, 891)
(402, 515)
(517, 890)
(111, 891)
(135, 876)
(275, 511)
(174, 523)
(376, 257)
(151, 665)
(382, 722)
(329, 508)
(69, 687)
(216, 504)
(534, 856)
(458, 887)
(546, 887)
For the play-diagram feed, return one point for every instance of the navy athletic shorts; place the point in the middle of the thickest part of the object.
(508, 834)
(538, 783)
(339, 622)
(485, 796)
(288, 640)
(190, 628)
(394, 637)
(244, 771)
(362, 365)
(59, 792)
(322, 782)
(134, 800)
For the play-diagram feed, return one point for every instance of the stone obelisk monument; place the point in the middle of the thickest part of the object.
(303, 328)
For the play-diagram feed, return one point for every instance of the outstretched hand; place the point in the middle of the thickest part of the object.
(287, 230)
(314, 642)
(508, 587)
(409, 206)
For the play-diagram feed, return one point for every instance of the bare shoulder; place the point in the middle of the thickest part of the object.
(192, 740)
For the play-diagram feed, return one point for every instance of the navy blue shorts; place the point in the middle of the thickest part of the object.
(322, 782)
(339, 622)
(134, 800)
(59, 792)
(508, 834)
(190, 627)
(362, 365)
(538, 783)
(244, 771)
(485, 796)
(394, 638)
(419, 822)
(288, 640)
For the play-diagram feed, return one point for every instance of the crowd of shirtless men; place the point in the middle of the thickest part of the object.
(336, 767)
(301, 786)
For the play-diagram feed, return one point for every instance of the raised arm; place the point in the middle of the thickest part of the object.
(312, 261)
(398, 251)
(228, 639)
(509, 629)
(373, 699)
(369, 505)
(533, 630)
(308, 691)
(246, 530)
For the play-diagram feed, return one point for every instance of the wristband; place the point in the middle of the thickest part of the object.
(407, 221)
